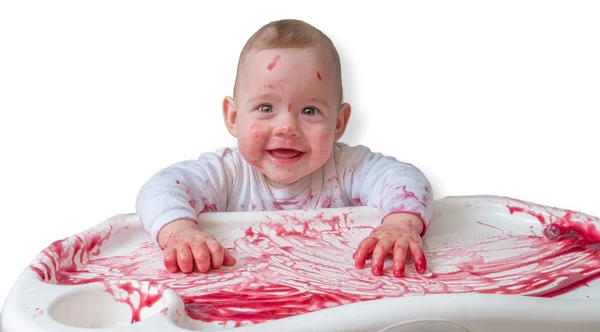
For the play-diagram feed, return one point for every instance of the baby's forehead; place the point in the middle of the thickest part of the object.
(314, 51)
(305, 68)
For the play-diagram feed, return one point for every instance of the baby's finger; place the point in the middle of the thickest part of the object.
(364, 248)
(419, 256)
(184, 258)
(381, 250)
(368, 255)
(201, 256)
(228, 260)
(400, 252)
(170, 258)
(216, 253)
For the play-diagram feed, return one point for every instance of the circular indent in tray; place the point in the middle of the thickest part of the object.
(90, 309)
(114, 306)
(426, 326)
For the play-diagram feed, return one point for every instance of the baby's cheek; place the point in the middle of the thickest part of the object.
(250, 152)
(323, 145)
(255, 133)
(326, 137)
(252, 144)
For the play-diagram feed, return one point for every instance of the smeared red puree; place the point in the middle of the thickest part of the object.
(38, 312)
(273, 62)
(137, 295)
(300, 265)
(578, 227)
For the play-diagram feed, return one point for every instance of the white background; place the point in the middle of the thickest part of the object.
(495, 98)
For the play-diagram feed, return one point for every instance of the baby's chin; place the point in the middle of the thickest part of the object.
(281, 174)
(287, 180)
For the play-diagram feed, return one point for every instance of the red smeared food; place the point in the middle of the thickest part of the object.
(273, 63)
(297, 265)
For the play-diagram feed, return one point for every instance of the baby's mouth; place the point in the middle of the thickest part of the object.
(284, 153)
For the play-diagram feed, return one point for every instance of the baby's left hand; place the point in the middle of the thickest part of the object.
(399, 233)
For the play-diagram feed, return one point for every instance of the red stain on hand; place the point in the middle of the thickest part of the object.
(420, 262)
(273, 62)
(289, 107)
(319, 76)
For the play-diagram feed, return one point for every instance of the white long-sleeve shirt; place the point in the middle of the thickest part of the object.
(223, 181)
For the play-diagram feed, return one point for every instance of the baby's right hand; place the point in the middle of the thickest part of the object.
(184, 244)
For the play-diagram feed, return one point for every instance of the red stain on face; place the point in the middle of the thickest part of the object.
(289, 107)
(254, 131)
(273, 62)
(319, 76)
(279, 85)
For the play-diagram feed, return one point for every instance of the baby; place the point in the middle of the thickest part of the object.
(287, 113)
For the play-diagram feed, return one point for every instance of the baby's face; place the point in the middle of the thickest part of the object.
(287, 112)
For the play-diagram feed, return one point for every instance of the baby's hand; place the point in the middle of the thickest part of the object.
(398, 234)
(184, 244)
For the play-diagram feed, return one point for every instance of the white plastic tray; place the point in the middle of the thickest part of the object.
(492, 267)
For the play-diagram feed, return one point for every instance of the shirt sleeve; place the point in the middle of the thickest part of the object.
(185, 189)
(373, 179)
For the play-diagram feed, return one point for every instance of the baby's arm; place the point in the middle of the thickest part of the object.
(169, 202)
(404, 198)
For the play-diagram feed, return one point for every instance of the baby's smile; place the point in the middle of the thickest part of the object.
(285, 156)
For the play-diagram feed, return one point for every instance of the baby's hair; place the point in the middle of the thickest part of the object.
(290, 33)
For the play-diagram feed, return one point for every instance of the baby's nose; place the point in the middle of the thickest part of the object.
(289, 128)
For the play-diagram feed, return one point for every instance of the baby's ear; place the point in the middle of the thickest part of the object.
(230, 115)
(343, 116)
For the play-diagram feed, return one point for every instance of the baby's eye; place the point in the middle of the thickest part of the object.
(265, 108)
(310, 111)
